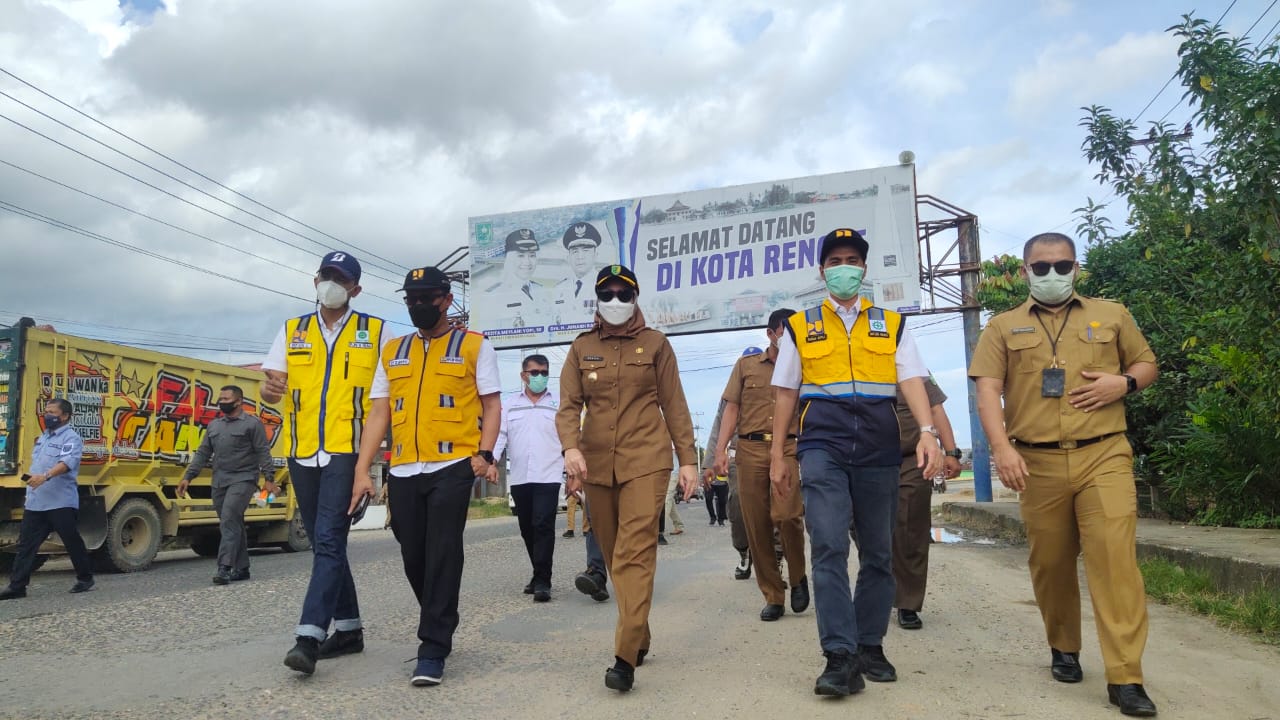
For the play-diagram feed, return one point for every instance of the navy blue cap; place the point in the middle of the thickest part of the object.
(582, 232)
(426, 278)
(753, 350)
(343, 262)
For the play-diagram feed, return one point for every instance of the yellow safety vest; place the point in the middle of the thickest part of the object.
(849, 382)
(435, 405)
(328, 397)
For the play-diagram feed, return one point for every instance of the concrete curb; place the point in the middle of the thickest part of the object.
(1236, 560)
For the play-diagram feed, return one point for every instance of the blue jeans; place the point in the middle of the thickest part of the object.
(324, 494)
(595, 558)
(835, 493)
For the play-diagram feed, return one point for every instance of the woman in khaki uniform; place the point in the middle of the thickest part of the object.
(624, 374)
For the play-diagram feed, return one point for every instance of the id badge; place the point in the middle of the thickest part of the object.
(1053, 382)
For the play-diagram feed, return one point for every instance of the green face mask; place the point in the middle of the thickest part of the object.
(537, 383)
(844, 281)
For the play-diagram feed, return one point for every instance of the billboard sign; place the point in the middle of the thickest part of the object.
(707, 260)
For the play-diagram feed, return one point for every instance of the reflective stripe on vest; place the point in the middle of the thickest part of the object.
(435, 406)
(329, 386)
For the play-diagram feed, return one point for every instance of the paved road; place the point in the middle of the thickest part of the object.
(166, 644)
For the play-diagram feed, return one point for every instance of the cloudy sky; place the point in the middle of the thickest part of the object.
(383, 125)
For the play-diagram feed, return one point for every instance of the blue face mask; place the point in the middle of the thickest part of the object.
(52, 422)
(844, 281)
(538, 383)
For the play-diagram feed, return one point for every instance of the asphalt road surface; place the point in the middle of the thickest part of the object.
(167, 644)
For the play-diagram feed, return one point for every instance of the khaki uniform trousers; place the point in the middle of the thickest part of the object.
(761, 512)
(1085, 500)
(911, 536)
(737, 529)
(625, 522)
(571, 512)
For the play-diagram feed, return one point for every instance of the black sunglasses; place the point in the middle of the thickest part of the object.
(626, 295)
(1062, 267)
(539, 373)
(432, 299)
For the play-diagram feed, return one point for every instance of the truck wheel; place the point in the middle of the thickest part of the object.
(133, 536)
(298, 540)
(206, 545)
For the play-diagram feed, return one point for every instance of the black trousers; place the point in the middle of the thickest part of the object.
(36, 526)
(428, 515)
(536, 510)
(720, 511)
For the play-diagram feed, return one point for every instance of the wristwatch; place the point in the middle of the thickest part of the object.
(487, 455)
(1133, 384)
(929, 429)
(954, 452)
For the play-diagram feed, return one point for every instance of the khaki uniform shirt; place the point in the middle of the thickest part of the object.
(1098, 336)
(908, 428)
(750, 387)
(636, 412)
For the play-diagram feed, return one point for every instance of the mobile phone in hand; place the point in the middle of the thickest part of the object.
(26, 477)
(360, 508)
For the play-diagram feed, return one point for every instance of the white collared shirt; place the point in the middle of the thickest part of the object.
(786, 369)
(529, 432)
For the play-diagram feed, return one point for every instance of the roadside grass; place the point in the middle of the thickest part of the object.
(488, 508)
(1257, 613)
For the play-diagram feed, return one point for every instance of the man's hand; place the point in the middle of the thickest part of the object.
(573, 486)
(275, 386)
(271, 487)
(950, 468)
(575, 466)
(688, 480)
(363, 486)
(1012, 468)
(480, 466)
(492, 475)
(36, 481)
(780, 475)
(1104, 390)
(183, 484)
(928, 454)
(722, 464)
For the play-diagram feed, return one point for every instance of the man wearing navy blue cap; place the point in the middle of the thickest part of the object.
(322, 365)
(581, 242)
(528, 299)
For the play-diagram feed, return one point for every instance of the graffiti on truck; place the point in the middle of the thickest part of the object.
(148, 417)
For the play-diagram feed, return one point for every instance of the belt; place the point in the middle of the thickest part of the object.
(766, 437)
(1064, 444)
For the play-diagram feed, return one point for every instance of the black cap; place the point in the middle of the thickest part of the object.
(581, 232)
(621, 272)
(522, 240)
(842, 237)
(426, 278)
(343, 262)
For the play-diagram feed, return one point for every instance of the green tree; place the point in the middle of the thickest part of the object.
(1199, 268)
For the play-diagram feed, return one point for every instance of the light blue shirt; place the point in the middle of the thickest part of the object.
(65, 446)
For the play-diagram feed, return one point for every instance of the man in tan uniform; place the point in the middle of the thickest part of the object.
(1064, 363)
(748, 414)
(625, 375)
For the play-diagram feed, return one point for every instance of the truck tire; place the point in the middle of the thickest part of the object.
(133, 537)
(206, 545)
(298, 540)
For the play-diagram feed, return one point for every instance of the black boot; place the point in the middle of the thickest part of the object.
(341, 642)
(303, 656)
(621, 676)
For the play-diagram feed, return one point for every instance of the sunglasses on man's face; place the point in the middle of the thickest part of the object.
(626, 295)
(1062, 267)
(417, 299)
(539, 373)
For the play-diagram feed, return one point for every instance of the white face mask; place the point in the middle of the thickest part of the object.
(616, 312)
(1051, 288)
(331, 295)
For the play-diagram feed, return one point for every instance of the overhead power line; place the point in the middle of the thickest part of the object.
(1172, 77)
(393, 265)
(175, 196)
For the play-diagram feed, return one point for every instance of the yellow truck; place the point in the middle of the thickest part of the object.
(142, 415)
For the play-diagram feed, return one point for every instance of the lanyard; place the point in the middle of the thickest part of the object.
(1053, 342)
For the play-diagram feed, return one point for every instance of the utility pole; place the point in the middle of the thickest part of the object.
(969, 258)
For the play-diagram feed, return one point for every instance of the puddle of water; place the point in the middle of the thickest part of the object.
(948, 537)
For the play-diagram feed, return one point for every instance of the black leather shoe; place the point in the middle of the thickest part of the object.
(1066, 667)
(341, 642)
(593, 584)
(528, 589)
(239, 575)
(840, 677)
(909, 620)
(13, 593)
(302, 657)
(662, 539)
(1132, 700)
(620, 677)
(772, 612)
(800, 596)
(82, 586)
(541, 595)
(223, 577)
(875, 665)
(640, 656)
(567, 534)
(743, 571)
